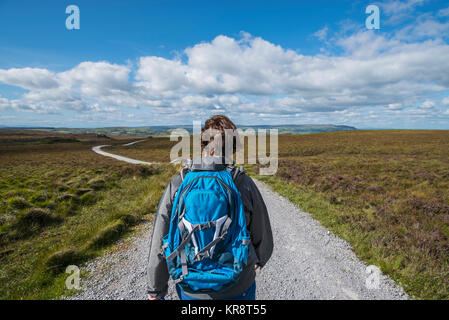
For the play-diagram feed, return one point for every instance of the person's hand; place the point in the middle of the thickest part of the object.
(150, 297)
(257, 267)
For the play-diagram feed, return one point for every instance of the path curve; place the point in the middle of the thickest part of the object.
(134, 142)
(98, 150)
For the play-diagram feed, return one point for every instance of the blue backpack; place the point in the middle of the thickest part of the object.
(206, 247)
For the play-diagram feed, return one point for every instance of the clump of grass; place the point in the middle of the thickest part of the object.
(12, 193)
(61, 187)
(88, 198)
(82, 191)
(33, 183)
(18, 203)
(139, 171)
(108, 235)
(151, 201)
(69, 208)
(68, 197)
(35, 218)
(40, 196)
(7, 218)
(129, 219)
(77, 181)
(96, 183)
(58, 261)
(50, 205)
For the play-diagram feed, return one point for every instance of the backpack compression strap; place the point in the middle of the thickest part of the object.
(207, 251)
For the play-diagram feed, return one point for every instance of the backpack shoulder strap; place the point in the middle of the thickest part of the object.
(183, 172)
(237, 171)
(232, 168)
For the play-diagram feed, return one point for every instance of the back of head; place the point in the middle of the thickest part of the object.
(216, 133)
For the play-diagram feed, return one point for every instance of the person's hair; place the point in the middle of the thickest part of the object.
(219, 123)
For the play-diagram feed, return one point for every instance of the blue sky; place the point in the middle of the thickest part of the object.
(135, 63)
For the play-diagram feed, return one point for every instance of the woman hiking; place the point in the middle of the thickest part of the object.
(212, 230)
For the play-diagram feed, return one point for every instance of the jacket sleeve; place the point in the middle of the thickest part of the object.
(157, 272)
(257, 219)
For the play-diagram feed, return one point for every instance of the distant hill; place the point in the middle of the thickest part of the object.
(166, 130)
(303, 128)
(26, 128)
(46, 136)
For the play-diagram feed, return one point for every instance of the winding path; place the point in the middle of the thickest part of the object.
(98, 150)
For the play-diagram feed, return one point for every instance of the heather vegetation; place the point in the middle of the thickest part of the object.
(156, 149)
(386, 192)
(62, 204)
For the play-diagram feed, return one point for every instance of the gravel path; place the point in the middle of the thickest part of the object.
(98, 150)
(308, 262)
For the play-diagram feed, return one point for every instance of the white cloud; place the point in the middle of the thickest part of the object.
(394, 106)
(443, 12)
(424, 27)
(28, 78)
(396, 12)
(250, 77)
(322, 33)
(427, 104)
(445, 101)
(398, 7)
(159, 74)
(257, 67)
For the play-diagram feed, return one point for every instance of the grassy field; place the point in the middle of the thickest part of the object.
(155, 149)
(62, 204)
(385, 192)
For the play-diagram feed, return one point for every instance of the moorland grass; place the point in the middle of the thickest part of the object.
(386, 192)
(62, 204)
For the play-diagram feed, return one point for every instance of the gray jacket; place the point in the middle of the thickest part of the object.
(258, 225)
